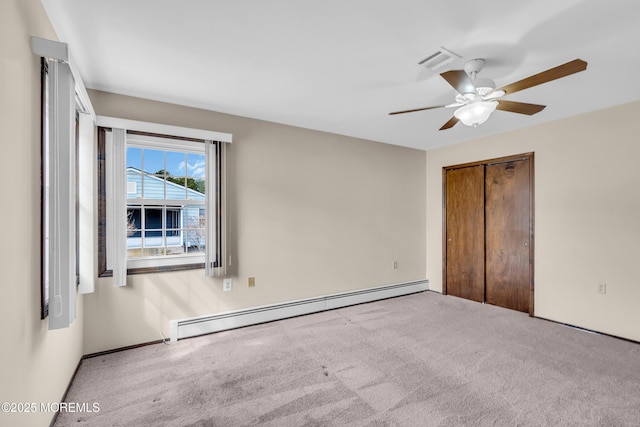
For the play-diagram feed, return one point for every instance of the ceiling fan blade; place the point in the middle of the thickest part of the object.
(460, 81)
(519, 107)
(416, 109)
(560, 71)
(451, 123)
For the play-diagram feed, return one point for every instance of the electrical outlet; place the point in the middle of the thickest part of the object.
(602, 288)
(395, 265)
(252, 282)
(227, 284)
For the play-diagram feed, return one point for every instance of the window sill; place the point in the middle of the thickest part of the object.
(156, 269)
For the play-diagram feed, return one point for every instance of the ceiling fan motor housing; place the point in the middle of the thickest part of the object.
(472, 68)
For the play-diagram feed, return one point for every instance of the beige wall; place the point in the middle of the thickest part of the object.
(35, 364)
(312, 214)
(587, 215)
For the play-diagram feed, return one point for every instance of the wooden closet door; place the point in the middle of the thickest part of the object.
(507, 234)
(465, 232)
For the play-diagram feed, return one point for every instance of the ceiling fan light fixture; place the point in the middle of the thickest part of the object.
(477, 98)
(476, 113)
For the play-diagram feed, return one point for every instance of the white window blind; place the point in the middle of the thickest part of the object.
(66, 95)
(87, 190)
(61, 201)
(116, 150)
(215, 260)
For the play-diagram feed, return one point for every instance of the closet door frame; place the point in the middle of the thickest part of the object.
(524, 156)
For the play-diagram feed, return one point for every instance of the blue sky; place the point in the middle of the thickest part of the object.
(177, 163)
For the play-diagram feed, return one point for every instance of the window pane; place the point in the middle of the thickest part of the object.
(196, 185)
(194, 216)
(178, 180)
(153, 187)
(153, 161)
(195, 240)
(134, 158)
(134, 221)
(153, 221)
(176, 163)
(134, 183)
(174, 242)
(153, 239)
(173, 218)
(134, 234)
(176, 189)
(195, 165)
(195, 233)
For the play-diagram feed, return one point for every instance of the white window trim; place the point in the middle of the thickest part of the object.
(161, 129)
(149, 141)
(142, 140)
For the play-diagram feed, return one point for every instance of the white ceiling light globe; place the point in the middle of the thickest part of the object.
(475, 113)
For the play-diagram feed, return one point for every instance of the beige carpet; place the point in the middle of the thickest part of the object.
(418, 360)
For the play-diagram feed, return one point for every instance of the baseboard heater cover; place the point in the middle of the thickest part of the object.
(201, 325)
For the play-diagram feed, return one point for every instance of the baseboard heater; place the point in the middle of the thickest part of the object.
(201, 325)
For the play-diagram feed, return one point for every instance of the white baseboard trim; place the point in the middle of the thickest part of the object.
(201, 325)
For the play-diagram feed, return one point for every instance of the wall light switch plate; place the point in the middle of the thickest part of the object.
(226, 285)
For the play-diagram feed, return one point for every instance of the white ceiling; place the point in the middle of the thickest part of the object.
(342, 65)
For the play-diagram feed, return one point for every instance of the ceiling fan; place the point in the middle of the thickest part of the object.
(477, 98)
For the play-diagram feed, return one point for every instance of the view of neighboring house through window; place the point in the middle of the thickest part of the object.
(165, 202)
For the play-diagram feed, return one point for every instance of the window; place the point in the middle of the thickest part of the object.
(171, 182)
(165, 199)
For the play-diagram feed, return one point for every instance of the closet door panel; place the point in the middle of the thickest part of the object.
(507, 234)
(465, 232)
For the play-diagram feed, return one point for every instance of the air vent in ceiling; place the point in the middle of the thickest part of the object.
(439, 59)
